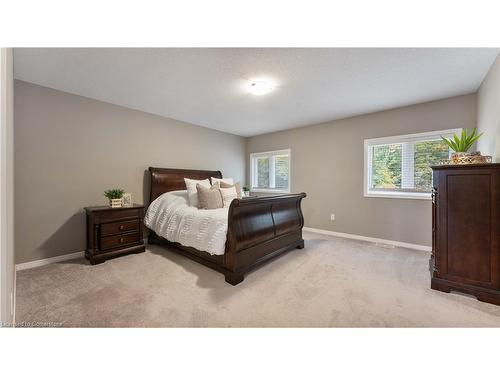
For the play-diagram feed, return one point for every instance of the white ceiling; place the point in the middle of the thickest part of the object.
(207, 86)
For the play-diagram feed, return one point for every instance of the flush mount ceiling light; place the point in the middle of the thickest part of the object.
(260, 87)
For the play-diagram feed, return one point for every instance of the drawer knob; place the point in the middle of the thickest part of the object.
(122, 240)
(122, 227)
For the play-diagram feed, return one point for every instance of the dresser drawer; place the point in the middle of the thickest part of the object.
(119, 227)
(111, 242)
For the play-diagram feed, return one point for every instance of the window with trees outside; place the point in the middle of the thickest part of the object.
(399, 167)
(270, 171)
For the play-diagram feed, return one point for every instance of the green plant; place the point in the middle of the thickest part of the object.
(246, 188)
(465, 141)
(114, 193)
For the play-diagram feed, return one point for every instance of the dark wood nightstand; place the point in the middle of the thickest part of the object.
(113, 231)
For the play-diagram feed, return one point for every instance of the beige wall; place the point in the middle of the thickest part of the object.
(69, 149)
(327, 164)
(488, 112)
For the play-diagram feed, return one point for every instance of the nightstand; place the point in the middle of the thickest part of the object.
(113, 231)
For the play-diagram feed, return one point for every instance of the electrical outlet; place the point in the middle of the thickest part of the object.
(332, 217)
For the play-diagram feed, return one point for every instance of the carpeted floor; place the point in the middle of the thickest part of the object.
(333, 282)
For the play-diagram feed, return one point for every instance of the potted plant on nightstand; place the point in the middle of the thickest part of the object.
(115, 197)
(461, 146)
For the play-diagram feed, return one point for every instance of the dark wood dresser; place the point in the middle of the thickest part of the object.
(113, 231)
(466, 230)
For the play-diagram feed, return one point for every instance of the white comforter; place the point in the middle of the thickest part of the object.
(172, 218)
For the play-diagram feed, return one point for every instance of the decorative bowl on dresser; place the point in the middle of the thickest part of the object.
(113, 231)
(466, 230)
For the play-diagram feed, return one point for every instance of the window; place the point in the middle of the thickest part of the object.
(399, 167)
(270, 171)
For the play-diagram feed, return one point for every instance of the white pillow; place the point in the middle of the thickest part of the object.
(228, 180)
(192, 192)
(228, 194)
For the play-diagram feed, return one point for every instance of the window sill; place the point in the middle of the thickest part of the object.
(269, 191)
(399, 195)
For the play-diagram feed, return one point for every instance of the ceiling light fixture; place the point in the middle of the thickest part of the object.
(260, 87)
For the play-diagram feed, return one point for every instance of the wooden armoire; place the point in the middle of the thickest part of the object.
(466, 230)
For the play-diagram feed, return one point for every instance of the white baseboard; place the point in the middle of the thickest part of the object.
(369, 239)
(62, 258)
(43, 262)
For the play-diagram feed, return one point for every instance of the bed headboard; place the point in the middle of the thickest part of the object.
(169, 179)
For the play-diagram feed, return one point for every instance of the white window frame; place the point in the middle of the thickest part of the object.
(368, 143)
(271, 154)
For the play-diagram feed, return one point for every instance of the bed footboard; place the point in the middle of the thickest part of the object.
(259, 229)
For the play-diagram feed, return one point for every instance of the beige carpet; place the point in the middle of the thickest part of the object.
(333, 282)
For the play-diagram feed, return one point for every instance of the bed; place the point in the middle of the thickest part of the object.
(258, 228)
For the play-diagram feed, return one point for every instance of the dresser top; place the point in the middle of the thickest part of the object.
(458, 166)
(108, 208)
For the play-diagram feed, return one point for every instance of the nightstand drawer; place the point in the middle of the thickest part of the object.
(119, 227)
(120, 214)
(111, 242)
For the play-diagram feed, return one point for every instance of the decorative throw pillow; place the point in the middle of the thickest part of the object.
(237, 186)
(228, 194)
(209, 198)
(227, 180)
(192, 192)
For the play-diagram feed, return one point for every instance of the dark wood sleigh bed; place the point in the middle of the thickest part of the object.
(259, 228)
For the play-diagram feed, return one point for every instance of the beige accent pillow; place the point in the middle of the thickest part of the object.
(227, 180)
(209, 198)
(237, 186)
(228, 194)
(192, 191)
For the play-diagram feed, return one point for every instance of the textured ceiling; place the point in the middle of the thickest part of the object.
(207, 87)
